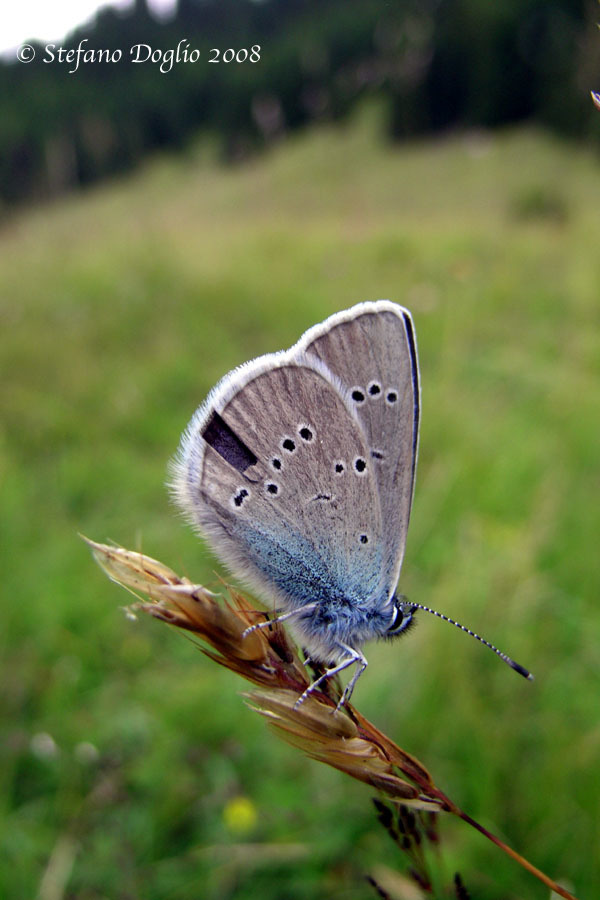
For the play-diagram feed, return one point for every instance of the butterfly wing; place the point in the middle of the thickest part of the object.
(371, 348)
(275, 471)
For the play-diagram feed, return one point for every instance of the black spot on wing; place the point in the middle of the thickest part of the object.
(240, 496)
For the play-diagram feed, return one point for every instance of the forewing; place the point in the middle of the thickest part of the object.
(371, 348)
(276, 472)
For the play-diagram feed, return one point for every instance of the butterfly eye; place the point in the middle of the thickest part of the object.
(403, 618)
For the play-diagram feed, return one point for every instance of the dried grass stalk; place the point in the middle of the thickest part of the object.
(267, 657)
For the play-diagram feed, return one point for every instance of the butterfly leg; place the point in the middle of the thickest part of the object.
(279, 618)
(361, 664)
(353, 656)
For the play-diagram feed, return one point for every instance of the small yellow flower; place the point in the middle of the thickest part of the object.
(240, 815)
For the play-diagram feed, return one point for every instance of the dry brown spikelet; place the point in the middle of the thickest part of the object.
(267, 657)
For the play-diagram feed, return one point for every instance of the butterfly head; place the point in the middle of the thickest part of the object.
(402, 617)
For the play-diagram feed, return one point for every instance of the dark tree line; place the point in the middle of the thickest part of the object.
(437, 63)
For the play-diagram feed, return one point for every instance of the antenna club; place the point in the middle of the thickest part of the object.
(411, 607)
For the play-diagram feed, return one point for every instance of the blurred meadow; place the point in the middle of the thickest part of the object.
(131, 767)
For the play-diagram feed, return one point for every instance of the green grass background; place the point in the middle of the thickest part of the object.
(130, 766)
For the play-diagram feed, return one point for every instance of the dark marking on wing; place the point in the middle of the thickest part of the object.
(221, 438)
(415, 380)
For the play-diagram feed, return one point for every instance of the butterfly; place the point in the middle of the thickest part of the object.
(299, 469)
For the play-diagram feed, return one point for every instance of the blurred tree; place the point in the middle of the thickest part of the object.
(439, 64)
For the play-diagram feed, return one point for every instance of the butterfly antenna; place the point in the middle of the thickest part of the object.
(514, 665)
